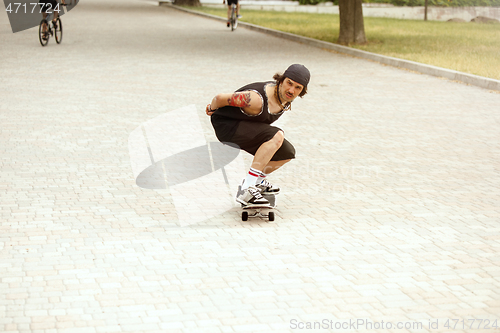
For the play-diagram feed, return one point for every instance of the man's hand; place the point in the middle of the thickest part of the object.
(209, 110)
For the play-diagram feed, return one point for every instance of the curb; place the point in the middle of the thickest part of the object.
(471, 79)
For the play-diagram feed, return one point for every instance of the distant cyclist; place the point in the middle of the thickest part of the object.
(229, 4)
(49, 7)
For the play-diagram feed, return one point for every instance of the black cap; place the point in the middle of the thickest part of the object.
(298, 73)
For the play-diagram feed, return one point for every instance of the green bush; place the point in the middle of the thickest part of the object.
(439, 3)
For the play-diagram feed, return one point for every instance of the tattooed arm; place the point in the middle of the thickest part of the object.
(249, 101)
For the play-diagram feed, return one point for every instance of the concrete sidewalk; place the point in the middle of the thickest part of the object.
(388, 214)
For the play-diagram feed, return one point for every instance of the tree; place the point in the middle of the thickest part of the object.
(191, 3)
(352, 28)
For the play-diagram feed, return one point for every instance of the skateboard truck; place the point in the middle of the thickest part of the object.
(257, 212)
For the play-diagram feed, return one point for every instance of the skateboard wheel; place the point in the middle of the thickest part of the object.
(271, 216)
(244, 216)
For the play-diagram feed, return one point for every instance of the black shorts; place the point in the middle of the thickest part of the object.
(230, 2)
(250, 135)
(48, 5)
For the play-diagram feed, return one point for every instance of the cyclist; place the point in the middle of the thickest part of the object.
(229, 4)
(48, 7)
(244, 119)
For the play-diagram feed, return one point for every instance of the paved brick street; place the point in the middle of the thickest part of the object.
(389, 217)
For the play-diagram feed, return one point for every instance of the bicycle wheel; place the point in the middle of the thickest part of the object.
(235, 21)
(234, 18)
(58, 31)
(43, 37)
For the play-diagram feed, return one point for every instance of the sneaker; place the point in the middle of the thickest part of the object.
(228, 24)
(266, 187)
(239, 16)
(251, 196)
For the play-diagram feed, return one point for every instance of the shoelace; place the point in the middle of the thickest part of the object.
(265, 183)
(255, 193)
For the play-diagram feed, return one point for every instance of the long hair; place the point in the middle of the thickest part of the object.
(279, 78)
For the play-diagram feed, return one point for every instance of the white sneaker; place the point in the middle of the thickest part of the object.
(251, 196)
(266, 187)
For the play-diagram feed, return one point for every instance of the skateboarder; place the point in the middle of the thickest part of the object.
(244, 119)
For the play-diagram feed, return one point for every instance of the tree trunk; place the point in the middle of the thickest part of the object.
(191, 3)
(352, 28)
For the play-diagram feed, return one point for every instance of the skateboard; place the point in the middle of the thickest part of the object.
(260, 210)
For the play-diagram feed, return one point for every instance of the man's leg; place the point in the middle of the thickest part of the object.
(266, 151)
(262, 159)
(255, 184)
(283, 155)
(228, 14)
(258, 178)
(274, 165)
(44, 26)
(54, 20)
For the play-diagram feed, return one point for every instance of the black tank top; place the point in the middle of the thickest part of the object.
(237, 113)
(226, 119)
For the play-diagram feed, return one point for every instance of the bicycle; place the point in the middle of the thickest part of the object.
(53, 29)
(234, 17)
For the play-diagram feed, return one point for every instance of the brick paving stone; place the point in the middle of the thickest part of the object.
(389, 212)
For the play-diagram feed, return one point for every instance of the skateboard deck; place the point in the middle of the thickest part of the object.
(262, 211)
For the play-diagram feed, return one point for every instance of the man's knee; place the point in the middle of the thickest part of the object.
(285, 152)
(278, 138)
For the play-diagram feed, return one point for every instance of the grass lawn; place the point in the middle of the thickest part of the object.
(466, 47)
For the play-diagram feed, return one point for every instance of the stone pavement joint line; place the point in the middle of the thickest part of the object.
(388, 213)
